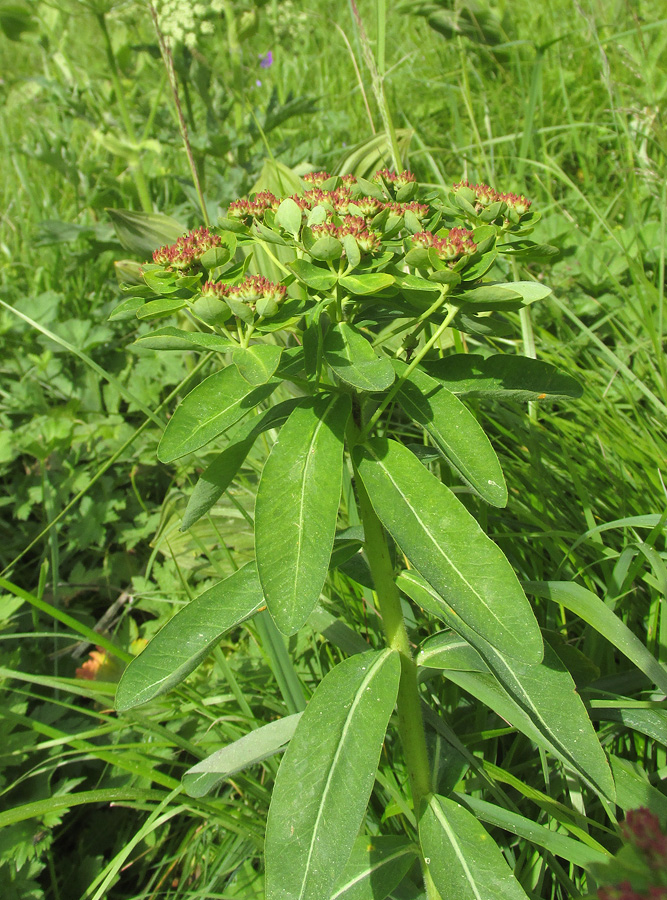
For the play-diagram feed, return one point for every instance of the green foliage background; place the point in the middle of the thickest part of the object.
(563, 102)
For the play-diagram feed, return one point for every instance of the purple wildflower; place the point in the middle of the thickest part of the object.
(266, 61)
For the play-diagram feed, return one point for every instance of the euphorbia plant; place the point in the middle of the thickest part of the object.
(359, 287)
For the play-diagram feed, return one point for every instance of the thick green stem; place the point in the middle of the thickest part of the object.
(410, 721)
(137, 171)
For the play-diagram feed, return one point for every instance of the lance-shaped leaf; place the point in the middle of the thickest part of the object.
(257, 363)
(208, 410)
(179, 647)
(326, 777)
(296, 509)
(455, 431)
(249, 750)
(539, 699)
(445, 543)
(217, 477)
(463, 859)
(503, 376)
(376, 866)
(354, 361)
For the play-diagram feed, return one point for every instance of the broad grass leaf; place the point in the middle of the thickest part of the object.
(633, 788)
(208, 410)
(539, 699)
(217, 477)
(326, 777)
(142, 232)
(353, 359)
(559, 844)
(589, 607)
(296, 510)
(455, 431)
(247, 751)
(187, 638)
(376, 866)
(258, 362)
(503, 376)
(446, 544)
(462, 857)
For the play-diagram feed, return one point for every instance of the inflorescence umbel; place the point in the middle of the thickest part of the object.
(336, 226)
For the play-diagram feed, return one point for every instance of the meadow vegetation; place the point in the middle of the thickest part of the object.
(562, 102)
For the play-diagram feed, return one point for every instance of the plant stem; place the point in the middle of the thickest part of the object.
(410, 721)
(139, 178)
(168, 60)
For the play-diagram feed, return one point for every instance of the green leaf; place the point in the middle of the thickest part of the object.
(170, 338)
(633, 788)
(215, 479)
(376, 866)
(445, 650)
(589, 607)
(179, 647)
(142, 232)
(455, 431)
(217, 256)
(296, 509)
(539, 700)
(372, 283)
(326, 777)
(462, 857)
(573, 851)
(529, 290)
(126, 309)
(352, 251)
(445, 543)
(326, 248)
(211, 311)
(314, 276)
(258, 362)
(158, 309)
(249, 750)
(288, 216)
(208, 410)
(353, 359)
(503, 376)
(488, 297)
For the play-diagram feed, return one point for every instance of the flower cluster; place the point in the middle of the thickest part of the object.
(254, 208)
(486, 195)
(642, 828)
(367, 241)
(459, 242)
(183, 21)
(339, 200)
(187, 251)
(420, 210)
(256, 292)
(317, 179)
(396, 180)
